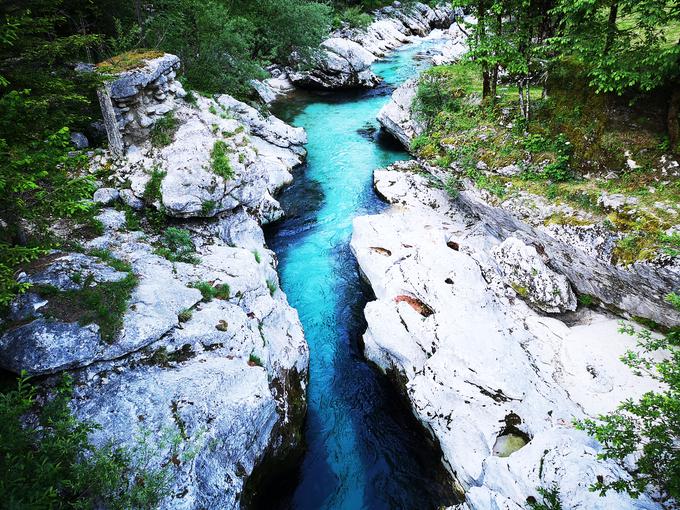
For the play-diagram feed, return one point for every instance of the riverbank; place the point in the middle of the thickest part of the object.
(168, 317)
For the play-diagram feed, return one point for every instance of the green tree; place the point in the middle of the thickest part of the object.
(41, 178)
(627, 46)
(649, 426)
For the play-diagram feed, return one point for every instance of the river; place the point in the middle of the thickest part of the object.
(364, 447)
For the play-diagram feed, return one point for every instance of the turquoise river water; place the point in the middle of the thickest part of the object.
(364, 449)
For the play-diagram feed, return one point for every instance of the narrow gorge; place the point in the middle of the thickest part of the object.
(360, 279)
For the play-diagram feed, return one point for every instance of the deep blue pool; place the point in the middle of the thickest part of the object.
(364, 448)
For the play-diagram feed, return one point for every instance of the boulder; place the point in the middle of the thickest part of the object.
(79, 141)
(106, 196)
(525, 271)
(342, 64)
(396, 116)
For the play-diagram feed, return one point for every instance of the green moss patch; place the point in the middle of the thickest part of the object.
(102, 303)
(133, 59)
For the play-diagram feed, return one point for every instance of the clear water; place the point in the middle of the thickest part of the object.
(364, 448)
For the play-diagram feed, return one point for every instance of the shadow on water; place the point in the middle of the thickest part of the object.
(364, 447)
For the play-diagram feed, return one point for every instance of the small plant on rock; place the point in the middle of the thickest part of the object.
(210, 292)
(254, 360)
(185, 315)
(163, 130)
(177, 246)
(219, 160)
(550, 499)
(272, 286)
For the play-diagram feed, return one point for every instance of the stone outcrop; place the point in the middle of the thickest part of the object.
(143, 95)
(525, 271)
(496, 383)
(207, 386)
(261, 152)
(344, 59)
(341, 64)
(583, 254)
(396, 116)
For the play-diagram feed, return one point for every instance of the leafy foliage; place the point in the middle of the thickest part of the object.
(50, 462)
(550, 499)
(649, 427)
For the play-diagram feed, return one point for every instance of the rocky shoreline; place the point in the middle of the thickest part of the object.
(496, 380)
(344, 60)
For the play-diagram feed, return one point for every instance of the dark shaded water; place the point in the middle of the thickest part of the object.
(364, 447)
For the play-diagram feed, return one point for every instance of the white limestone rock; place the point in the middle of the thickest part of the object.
(261, 150)
(396, 116)
(106, 196)
(526, 272)
(342, 64)
(478, 363)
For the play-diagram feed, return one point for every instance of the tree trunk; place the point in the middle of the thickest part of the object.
(611, 26)
(527, 103)
(521, 96)
(673, 121)
(494, 74)
(486, 83)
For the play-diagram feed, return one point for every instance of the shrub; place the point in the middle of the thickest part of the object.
(648, 427)
(353, 16)
(164, 130)
(210, 292)
(177, 246)
(550, 499)
(219, 160)
(52, 464)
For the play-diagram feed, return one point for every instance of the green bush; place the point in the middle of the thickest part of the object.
(164, 130)
(51, 464)
(550, 499)
(177, 246)
(354, 16)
